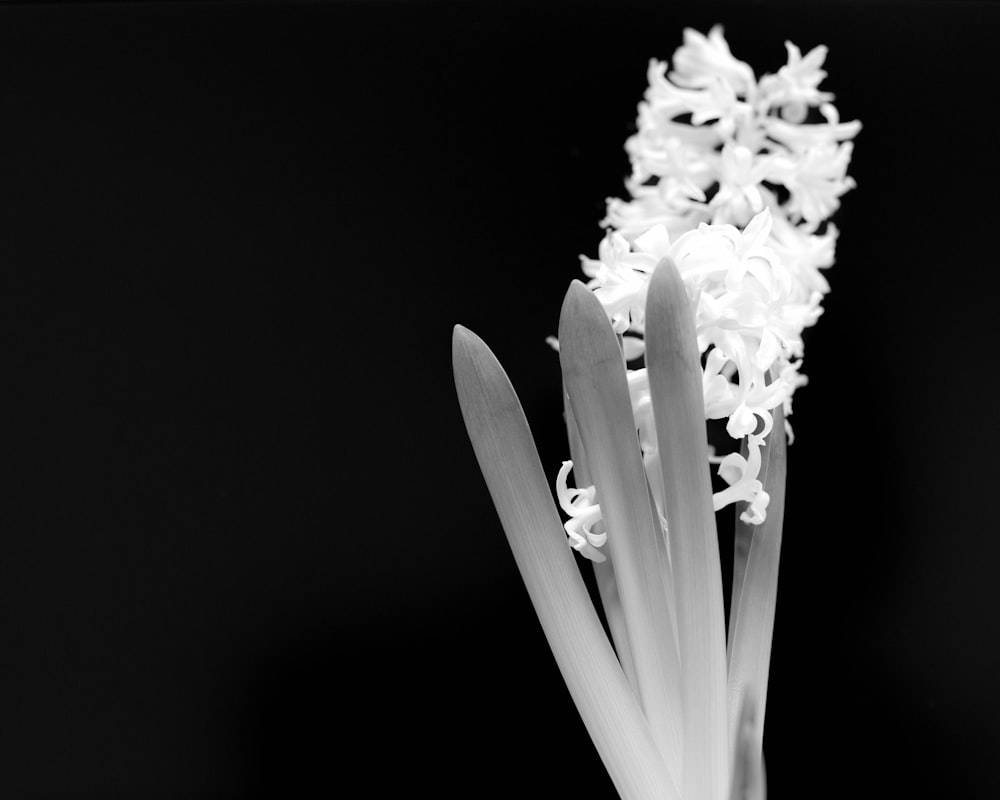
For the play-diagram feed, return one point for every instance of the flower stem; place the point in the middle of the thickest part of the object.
(752, 617)
(743, 536)
(747, 773)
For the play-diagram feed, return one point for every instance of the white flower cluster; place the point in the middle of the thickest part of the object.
(716, 145)
(732, 182)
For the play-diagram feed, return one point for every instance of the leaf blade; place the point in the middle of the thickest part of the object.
(675, 381)
(604, 572)
(595, 379)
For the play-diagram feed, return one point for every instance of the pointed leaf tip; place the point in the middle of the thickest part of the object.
(670, 272)
(463, 344)
(585, 332)
(668, 293)
(484, 390)
(469, 351)
(578, 300)
(462, 334)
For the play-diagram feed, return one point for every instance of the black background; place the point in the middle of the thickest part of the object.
(245, 550)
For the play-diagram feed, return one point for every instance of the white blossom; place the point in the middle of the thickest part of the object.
(710, 126)
(584, 514)
(734, 178)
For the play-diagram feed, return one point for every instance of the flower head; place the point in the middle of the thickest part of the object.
(732, 181)
(716, 145)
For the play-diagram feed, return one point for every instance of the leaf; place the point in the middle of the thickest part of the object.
(594, 376)
(675, 382)
(604, 572)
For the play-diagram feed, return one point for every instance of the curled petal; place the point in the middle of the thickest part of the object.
(732, 468)
(756, 512)
(742, 422)
(584, 514)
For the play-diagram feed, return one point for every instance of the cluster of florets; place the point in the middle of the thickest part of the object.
(733, 178)
(716, 145)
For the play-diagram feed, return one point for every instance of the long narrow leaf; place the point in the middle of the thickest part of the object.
(509, 461)
(675, 382)
(753, 623)
(594, 375)
(743, 536)
(604, 572)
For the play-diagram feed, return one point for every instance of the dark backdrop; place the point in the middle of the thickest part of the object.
(245, 550)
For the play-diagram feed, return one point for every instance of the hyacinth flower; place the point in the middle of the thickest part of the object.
(713, 299)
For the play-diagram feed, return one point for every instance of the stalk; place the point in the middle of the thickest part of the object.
(594, 375)
(753, 617)
(675, 380)
(743, 536)
(517, 483)
(747, 774)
